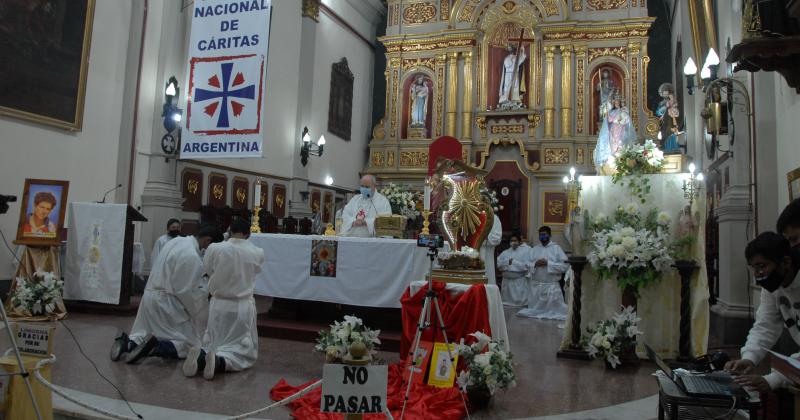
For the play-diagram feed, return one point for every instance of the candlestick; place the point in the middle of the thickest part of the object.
(425, 223)
(427, 200)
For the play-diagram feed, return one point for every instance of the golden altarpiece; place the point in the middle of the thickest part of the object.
(446, 75)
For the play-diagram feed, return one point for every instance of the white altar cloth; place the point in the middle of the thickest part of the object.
(369, 271)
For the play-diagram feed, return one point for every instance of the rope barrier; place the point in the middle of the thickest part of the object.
(282, 402)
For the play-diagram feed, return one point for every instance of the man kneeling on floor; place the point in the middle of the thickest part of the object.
(231, 339)
(175, 297)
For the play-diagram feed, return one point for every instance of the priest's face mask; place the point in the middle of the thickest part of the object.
(174, 230)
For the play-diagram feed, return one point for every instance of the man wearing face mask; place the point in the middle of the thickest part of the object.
(788, 223)
(774, 265)
(544, 293)
(175, 298)
(514, 263)
(358, 218)
(173, 231)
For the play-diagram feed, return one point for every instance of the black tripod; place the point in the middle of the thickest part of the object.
(425, 320)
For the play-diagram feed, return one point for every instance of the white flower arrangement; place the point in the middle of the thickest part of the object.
(487, 365)
(38, 296)
(465, 251)
(612, 337)
(632, 248)
(336, 341)
(402, 199)
(635, 160)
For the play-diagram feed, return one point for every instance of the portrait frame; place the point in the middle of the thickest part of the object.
(442, 374)
(340, 101)
(704, 32)
(552, 203)
(41, 90)
(793, 181)
(60, 189)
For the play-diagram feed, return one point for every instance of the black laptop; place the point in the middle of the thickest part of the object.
(708, 385)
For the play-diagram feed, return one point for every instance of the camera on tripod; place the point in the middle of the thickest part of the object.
(430, 241)
(4, 200)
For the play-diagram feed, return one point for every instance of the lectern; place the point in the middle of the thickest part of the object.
(98, 273)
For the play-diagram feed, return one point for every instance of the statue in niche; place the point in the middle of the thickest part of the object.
(668, 113)
(511, 73)
(605, 86)
(419, 102)
(616, 130)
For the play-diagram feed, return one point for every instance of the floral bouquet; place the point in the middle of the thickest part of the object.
(614, 337)
(40, 296)
(465, 258)
(638, 160)
(630, 246)
(487, 365)
(336, 341)
(402, 199)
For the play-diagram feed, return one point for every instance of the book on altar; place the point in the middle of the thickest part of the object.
(787, 366)
(442, 373)
(418, 363)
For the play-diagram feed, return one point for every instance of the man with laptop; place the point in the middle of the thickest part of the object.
(774, 264)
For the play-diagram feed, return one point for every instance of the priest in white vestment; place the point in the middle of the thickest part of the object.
(230, 342)
(487, 248)
(174, 299)
(515, 263)
(358, 218)
(545, 300)
(173, 231)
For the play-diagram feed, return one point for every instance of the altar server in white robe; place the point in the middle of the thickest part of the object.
(358, 218)
(544, 294)
(487, 248)
(174, 299)
(230, 342)
(515, 263)
(173, 231)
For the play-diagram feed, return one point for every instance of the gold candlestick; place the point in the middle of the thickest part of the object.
(426, 223)
(254, 226)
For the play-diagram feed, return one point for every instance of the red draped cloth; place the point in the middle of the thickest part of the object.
(463, 314)
(424, 402)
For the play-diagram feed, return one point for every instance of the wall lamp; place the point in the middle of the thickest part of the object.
(172, 116)
(689, 70)
(693, 185)
(310, 148)
(708, 73)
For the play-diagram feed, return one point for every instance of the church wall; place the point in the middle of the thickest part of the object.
(89, 158)
(787, 111)
(342, 159)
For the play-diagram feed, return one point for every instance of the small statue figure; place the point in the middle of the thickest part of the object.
(576, 230)
(687, 223)
(668, 114)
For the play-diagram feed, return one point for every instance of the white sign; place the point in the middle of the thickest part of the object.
(226, 76)
(354, 389)
(34, 339)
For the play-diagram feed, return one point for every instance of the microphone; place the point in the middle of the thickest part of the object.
(109, 192)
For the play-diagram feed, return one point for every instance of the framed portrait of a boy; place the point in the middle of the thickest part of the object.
(44, 203)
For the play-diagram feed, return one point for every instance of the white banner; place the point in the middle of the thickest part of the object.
(94, 252)
(226, 75)
(354, 389)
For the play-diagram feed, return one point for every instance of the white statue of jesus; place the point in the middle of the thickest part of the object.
(506, 90)
(419, 102)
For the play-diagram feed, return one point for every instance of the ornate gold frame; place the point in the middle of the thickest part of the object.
(704, 32)
(77, 123)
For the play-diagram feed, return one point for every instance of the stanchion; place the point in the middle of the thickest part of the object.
(685, 269)
(575, 350)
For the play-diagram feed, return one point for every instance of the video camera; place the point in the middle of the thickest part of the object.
(430, 241)
(4, 200)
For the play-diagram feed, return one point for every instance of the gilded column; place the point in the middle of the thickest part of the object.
(452, 84)
(580, 76)
(566, 90)
(549, 93)
(438, 125)
(394, 65)
(466, 110)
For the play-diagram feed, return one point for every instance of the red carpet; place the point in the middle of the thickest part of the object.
(424, 403)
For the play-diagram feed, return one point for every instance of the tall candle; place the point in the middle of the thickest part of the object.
(427, 201)
(257, 201)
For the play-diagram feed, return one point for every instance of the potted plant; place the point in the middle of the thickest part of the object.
(335, 342)
(614, 340)
(488, 368)
(40, 296)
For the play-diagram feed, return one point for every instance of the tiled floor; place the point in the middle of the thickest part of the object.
(546, 385)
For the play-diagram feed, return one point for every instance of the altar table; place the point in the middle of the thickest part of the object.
(369, 271)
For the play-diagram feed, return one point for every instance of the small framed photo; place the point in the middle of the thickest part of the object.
(442, 372)
(44, 203)
(793, 178)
